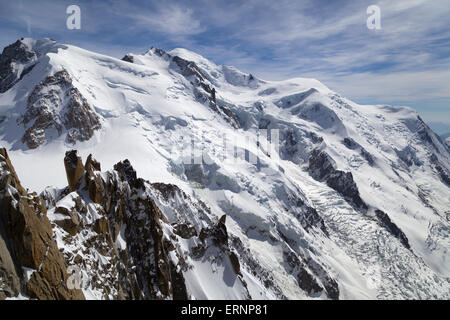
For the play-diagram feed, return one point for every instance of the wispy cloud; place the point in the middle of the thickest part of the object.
(172, 20)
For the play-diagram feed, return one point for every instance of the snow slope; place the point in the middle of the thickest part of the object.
(308, 208)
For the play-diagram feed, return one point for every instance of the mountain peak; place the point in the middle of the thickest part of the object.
(19, 58)
(323, 197)
(188, 55)
(38, 46)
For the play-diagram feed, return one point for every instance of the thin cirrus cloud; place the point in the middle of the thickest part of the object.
(407, 62)
(170, 20)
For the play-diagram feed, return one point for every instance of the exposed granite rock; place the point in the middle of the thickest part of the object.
(125, 212)
(441, 170)
(218, 233)
(385, 221)
(14, 62)
(71, 221)
(322, 168)
(9, 278)
(308, 274)
(143, 269)
(353, 145)
(93, 180)
(235, 263)
(74, 169)
(56, 105)
(203, 89)
(408, 156)
(184, 230)
(29, 240)
(128, 58)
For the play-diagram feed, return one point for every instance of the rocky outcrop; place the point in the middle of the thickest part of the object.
(323, 168)
(409, 157)
(307, 281)
(120, 222)
(128, 58)
(443, 173)
(353, 145)
(125, 230)
(391, 227)
(28, 250)
(16, 61)
(55, 106)
(74, 169)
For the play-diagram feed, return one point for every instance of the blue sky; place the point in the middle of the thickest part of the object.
(407, 62)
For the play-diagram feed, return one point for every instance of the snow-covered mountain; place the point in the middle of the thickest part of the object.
(233, 187)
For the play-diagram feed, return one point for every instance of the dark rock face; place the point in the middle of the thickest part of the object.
(443, 173)
(74, 169)
(322, 168)
(408, 156)
(128, 58)
(167, 190)
(188, 68)
(13, 56)
(127, 173)
(26, 241)
(184, 230)
(353, 145)
(235, 263)
(218, 233)
(9, 277)
(178, 284)
(385, 221)
(308, 274)
(308, 216)
(54, 105)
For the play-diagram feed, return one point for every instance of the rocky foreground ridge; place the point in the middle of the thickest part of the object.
(108, 226)
(30, 260)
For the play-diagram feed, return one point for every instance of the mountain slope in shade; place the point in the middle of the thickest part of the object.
(352, 203)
